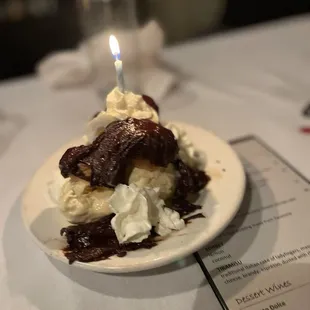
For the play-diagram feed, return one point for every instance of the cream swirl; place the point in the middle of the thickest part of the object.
(124, 105)
(119, 106)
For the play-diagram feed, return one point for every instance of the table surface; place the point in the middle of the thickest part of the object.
(249, 81)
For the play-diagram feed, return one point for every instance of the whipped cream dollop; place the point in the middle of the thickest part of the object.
(187, 151)
(145, 174)
(82, 204)
(127, 104)
(137, 210)
(119, 106)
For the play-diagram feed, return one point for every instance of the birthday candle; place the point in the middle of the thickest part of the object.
(114, 46)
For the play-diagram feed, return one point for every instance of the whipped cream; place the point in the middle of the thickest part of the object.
(146, 175)
(188, 153)
(119, 106)
(169, 220)
(81, 204)
(137, 210)
(124, 105)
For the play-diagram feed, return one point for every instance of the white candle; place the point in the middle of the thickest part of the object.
(114, 46)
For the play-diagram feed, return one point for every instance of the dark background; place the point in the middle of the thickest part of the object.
(245, 12)
(26, 39)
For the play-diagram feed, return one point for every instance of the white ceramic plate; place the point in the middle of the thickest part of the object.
(220, 203)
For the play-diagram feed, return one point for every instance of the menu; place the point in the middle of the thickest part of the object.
(262, 260)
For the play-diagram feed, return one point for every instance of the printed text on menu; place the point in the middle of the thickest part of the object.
(262, 260)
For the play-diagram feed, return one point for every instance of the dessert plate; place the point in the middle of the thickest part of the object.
(220, 202)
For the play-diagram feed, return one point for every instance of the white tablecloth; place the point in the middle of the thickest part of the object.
(34, 122)
(253, 81)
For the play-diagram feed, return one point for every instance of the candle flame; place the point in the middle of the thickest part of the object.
(114, 46)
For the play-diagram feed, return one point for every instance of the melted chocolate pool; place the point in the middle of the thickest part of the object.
(97, 241)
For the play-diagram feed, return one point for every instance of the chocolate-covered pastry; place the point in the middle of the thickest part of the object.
(104, 162)
(142, 154)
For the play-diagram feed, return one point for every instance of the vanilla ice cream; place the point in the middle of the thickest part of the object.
(137, 210)
(188, 153)
(146, 175)
(81, 204)
(54, 187)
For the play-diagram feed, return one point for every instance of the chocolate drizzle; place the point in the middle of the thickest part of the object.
(190, 180)
(97, 241)
(108, 157)
(183, 206)
(151, 103)
(192, 217)
(96, 114)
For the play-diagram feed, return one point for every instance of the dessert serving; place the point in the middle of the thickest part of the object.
(134, 192)
(131, 184)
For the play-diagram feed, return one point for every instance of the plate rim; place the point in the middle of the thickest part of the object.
(157, 262)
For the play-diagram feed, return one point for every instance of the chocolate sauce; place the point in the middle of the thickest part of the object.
(109, 156)
(182, 206)
(190, 180)
(97, 241)
(96, 114)
(195, 216)
(151, 103)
